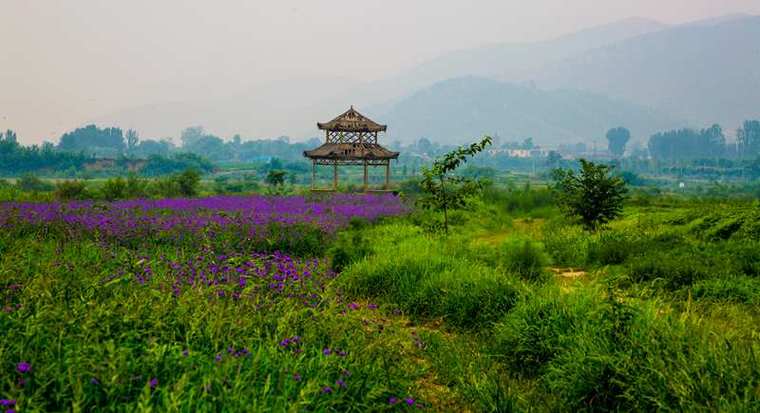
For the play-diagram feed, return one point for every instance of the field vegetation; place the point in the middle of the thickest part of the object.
(364, 303)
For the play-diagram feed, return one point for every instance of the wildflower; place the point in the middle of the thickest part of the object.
(218, 357)
(340, 383)
(7, 402)
(392, 400)
(296, 377)
(372, 306)
(354, 306)
(153, 383)
(345, 373)
(185, 352)
(326, 351)
(94, 381)
(23, 367)
(327, 390)
(409, 401)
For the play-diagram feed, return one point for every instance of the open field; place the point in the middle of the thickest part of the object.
(358, 303)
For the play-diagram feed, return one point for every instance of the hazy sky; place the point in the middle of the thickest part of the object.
(65, 61)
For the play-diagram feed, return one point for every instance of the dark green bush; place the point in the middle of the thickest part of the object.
(526, 259)
(69, 190)
(31, 183)
(114, 188)
(423, 280)
(740, 289)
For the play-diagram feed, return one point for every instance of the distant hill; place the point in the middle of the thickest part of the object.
(456, 110)
(698, 73)
(704, 72)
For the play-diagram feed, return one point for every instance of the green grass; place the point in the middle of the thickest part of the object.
(665, 317)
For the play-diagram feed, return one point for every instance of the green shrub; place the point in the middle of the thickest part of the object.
(31, 183)
(423, 280)
(540, 327)
(525, 258)
(114, 188)
(610, 247)
(67, 190)
(567, 245)
(740, 289)
(676, 268)
(661, 363)
(187, 182)
(350, 246)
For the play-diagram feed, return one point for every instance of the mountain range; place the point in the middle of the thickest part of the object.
(637, 73)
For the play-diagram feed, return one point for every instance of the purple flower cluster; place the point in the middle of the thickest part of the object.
(249, 216)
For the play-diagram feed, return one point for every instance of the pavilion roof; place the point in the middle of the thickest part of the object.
(351, 151)
(352, 121)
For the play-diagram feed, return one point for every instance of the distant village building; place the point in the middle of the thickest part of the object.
(351, 139)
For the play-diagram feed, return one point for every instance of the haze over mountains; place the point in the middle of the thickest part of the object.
(637, 73)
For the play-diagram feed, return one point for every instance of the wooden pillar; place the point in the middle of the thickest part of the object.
(387, 174)
(335, 176)
(313, 174)
(366, 177)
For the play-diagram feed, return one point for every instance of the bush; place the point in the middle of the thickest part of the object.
(740, 289)
(187, 182)
(525, 258)
(68, 190)
(661, 363)
(567, 245)
(609, 354)
(540, 327)
(350, 246)
(114, 188)
(611, 247)
(424, 280)
(31, 183)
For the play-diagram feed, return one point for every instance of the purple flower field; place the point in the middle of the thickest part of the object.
(246, 216)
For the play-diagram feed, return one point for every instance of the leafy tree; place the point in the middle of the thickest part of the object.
(553, 159)
(593, 196)
(276, 177)
(10, 137)
(92, 139)
(31, 183)
(68, 190)
(617, 138)
(114, 188)
(132, 139)
(748, 137)
(188, 182)
(444, 192)
(688, 144)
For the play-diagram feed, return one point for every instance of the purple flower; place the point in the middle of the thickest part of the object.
(327, 389)
(23, 367)
(392, 400)
(409, 401)
(185, 352)
(94, 381)
(296, 377)
(340, 383)
(354, 306)
(372, 306)
(10, 411)
(326, 351)
(218, 357)
(7, 402)
(153, 383)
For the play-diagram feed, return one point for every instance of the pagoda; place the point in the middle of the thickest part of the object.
(350, 139)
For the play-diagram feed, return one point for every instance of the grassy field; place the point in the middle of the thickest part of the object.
(516, 309)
